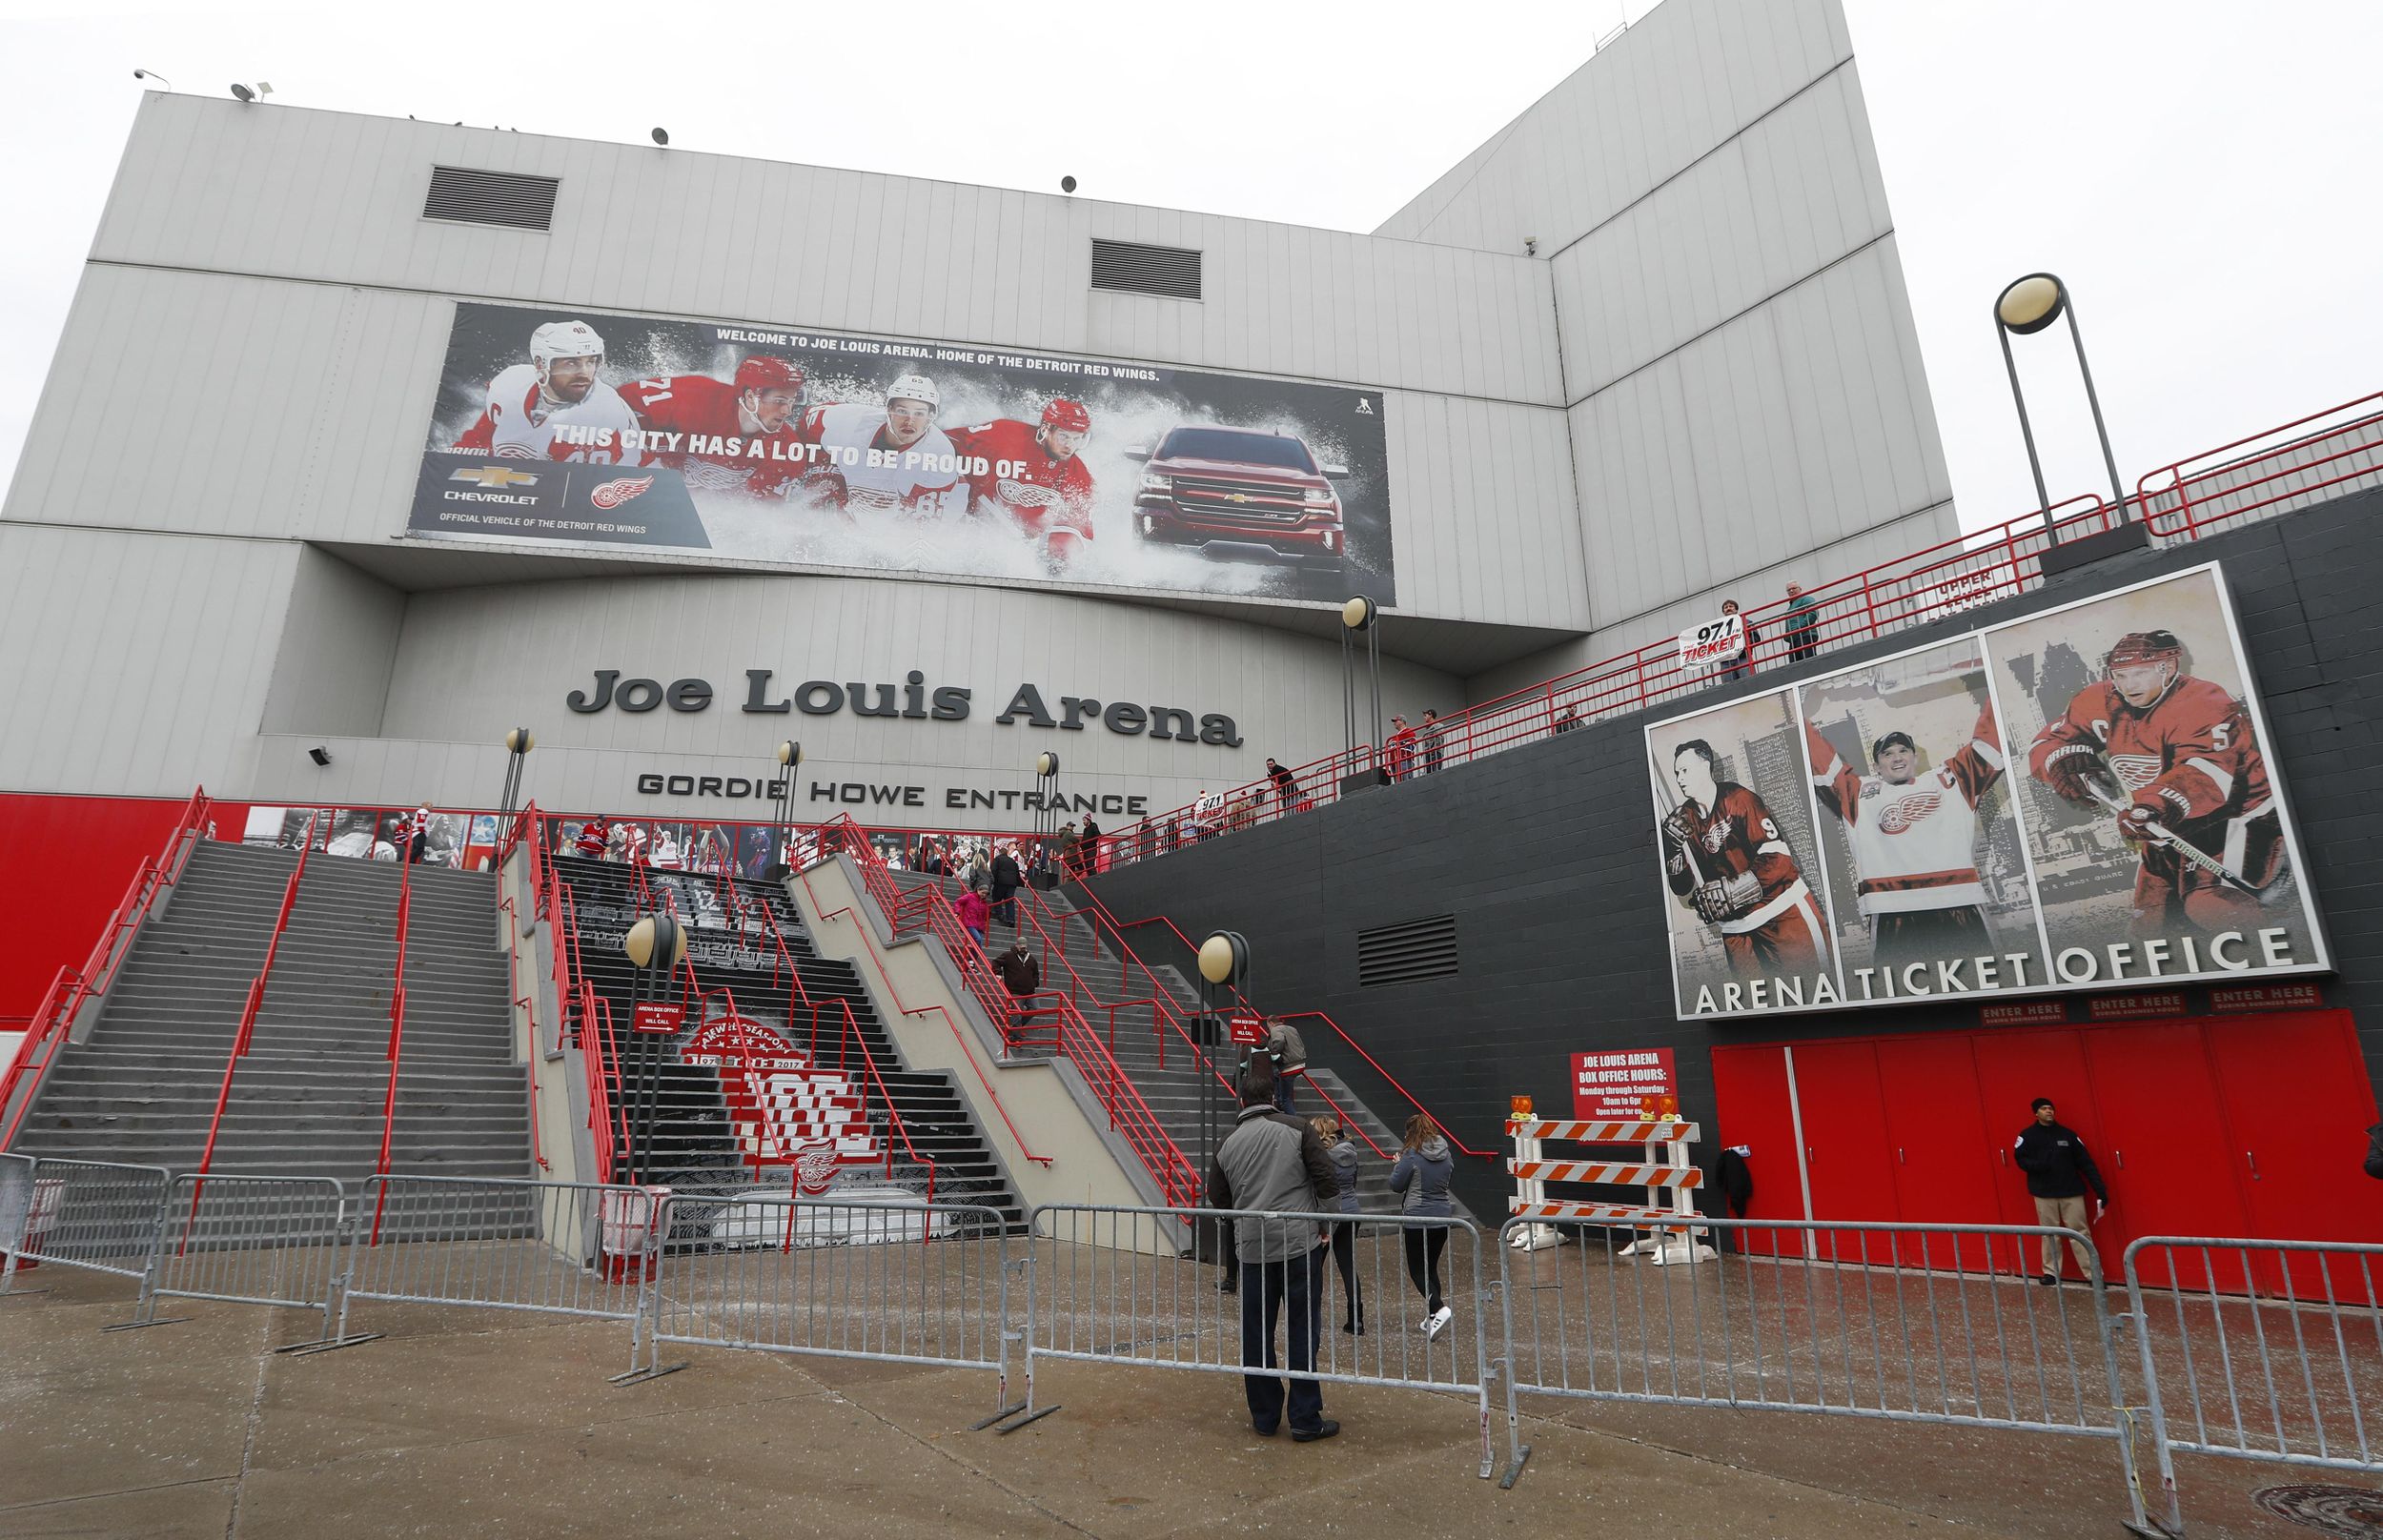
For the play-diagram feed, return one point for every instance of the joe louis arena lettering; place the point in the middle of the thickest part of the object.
(913, 700)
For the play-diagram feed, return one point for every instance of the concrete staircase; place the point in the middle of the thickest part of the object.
(1172, 1089)
(307, 1097)
(697, 1150)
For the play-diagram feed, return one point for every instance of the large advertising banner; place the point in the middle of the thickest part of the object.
(1748, 928)
(631, 434)
(2077, 800)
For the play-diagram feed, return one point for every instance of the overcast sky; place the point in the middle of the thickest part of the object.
(2201, 175)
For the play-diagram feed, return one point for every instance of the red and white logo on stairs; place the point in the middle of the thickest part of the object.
(785, 1111)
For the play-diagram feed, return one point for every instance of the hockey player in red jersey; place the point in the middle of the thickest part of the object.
(2190, 770)
(1915, 841)
(1726, 855)
(557, 388)
(1046, 489)
(749, 431)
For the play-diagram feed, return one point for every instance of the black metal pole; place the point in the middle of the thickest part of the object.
(2018, 399)
(2093, 400)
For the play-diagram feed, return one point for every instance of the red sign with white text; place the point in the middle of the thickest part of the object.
(660, 1017)
(1614, 1083)
(2134, 1007)
(2260, 996)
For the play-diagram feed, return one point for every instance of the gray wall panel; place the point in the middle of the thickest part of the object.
(339, 641)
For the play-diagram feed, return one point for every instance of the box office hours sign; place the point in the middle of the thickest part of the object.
(1615, 1082)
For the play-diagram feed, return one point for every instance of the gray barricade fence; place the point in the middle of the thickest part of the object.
(1116, 1285)
(249, 1240)
(2268, 1351)
(885, 1278)
(1910, 1323)
(551, 1247)
(87, 1214)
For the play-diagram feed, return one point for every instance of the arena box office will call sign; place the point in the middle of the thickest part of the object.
(634, 433)
(2077, 800)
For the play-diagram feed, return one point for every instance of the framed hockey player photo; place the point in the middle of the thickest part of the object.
(1924, 860)
(2156, 826)
(1734, 837)
(633, 433)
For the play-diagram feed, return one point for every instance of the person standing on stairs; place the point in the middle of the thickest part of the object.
(1422, 1173)
(1022, 974)
(1007, 881)
(976, 915)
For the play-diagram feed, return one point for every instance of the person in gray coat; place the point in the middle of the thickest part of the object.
(1343, 1151)
(1271, 1164)
(1421, 1174)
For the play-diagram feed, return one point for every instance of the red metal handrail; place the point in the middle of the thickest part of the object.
(851, 1036)
(397, 1038)
(50, 1024)
(1099, 914)
(248, 1018)
(1129, 1115)
(2200, 491)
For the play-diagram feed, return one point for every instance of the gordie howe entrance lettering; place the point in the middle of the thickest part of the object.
(913, 700)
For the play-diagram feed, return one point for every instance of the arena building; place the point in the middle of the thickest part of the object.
(1648, 346)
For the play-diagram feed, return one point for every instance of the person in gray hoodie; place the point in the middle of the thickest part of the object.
(1421, 1174)
(1273, 1165)
(1343, 1153)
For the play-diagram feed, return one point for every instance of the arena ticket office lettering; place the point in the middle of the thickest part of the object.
(2152, 840)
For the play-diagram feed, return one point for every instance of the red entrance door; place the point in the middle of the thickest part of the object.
(1846, 1150)
(2297, 1107)
(2162, 1147)
(1752, 1083)
(1944, 1169)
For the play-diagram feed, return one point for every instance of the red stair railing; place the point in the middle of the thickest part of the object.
(397, 1039)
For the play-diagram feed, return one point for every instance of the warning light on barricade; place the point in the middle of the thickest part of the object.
(1648, 1108)
(1669, 1108)
(1518, 1108)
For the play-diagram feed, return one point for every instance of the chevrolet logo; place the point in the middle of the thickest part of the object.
(495, 476)
(1236, 497)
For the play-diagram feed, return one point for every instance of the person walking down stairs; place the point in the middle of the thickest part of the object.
(1422, 1173)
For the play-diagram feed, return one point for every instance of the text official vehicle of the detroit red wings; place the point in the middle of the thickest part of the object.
(1241, 493)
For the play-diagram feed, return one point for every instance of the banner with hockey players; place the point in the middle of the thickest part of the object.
(1748, 922)
(2077, 800)
(631, 434)
(2155, 822)
(1925, 862)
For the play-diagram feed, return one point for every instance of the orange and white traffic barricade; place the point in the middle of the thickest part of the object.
(1667, 1174)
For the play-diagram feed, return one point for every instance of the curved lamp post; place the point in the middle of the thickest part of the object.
(2023, 308)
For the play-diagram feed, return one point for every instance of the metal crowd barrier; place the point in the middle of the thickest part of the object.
(580, 1249)
(888, 1280)
(1114, 1286)
(1904, 1323)
(2268, 1351)
(249, 1240)
(87, 1214)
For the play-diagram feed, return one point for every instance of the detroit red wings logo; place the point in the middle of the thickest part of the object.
(1903, 812)
(619, 490)
(1717, 834)
(784, 1109)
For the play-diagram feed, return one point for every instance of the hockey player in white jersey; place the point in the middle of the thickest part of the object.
(1915, 841)
(892, 457)
(558, 386)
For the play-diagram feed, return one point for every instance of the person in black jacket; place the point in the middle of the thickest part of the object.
(2059, 1170)
(1007, 881)
(2375, 1152)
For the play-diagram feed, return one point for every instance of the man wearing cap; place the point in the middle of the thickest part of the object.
(1915, 841)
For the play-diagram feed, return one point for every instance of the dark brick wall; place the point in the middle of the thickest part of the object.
(1546, 855)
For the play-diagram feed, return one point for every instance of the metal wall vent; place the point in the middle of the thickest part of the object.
(478, 197)
(1127, 267)
(1408, 952)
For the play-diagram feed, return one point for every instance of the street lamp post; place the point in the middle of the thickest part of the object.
(1358, 617)
(1224, 964)
(1046, 812)
(2026, 307)
(789, 758)
(656, 946)
(517, 745)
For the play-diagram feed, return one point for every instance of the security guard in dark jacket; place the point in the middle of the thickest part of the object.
(2059, 1170)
